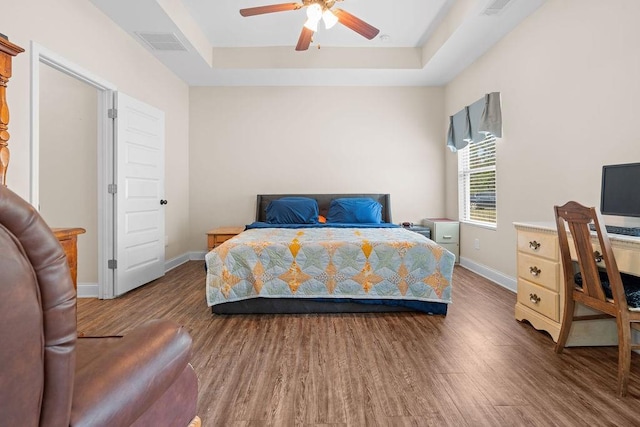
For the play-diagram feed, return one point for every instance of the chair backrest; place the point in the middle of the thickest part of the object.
(577, 218)
(37, 319)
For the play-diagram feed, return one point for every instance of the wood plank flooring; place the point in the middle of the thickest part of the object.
(477, 366)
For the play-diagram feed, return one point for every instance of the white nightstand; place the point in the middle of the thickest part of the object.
(446, 233)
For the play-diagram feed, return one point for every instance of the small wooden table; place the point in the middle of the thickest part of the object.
(219, 235)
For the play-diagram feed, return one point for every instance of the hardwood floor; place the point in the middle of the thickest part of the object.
(477, 366)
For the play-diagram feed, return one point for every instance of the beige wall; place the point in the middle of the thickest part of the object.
(251, 140)
(79, 32)
(570, 80)
(68, 149)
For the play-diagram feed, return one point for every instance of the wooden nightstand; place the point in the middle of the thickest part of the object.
(219, 235)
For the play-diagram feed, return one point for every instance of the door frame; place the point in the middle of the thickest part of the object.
(105, 165)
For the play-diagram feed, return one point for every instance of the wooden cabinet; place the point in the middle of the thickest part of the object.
(219, 235)
(540, 298)
(446, 233)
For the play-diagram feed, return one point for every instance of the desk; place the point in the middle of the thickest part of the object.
(541, 296)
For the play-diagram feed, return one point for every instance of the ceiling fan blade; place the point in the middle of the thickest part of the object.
(259, 10)
(356, 24)
(305, 39)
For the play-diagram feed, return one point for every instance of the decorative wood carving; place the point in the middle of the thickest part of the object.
(7, 51)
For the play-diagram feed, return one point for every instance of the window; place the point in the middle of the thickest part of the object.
(477, 182)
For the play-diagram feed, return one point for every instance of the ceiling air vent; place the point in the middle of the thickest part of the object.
(496, 7)
(167, 42)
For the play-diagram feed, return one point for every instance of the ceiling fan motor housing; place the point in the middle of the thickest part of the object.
(325, 4)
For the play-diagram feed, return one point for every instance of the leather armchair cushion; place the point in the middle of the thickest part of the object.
(22, 378)
(119, 378)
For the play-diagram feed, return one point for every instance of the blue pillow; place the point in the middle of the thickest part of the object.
(355, 210)
(292, 210)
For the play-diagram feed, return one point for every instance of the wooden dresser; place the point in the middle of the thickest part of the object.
(540, 298)
(68, 238)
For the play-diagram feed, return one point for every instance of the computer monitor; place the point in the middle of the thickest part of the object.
(620, 192)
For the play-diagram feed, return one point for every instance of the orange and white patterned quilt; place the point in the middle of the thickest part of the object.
(363, 263)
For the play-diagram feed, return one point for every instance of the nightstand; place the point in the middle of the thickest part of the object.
(446, 233)
(219, 235)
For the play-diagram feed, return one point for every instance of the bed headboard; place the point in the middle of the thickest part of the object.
(323, 202)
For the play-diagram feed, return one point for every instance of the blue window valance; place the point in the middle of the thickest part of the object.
(475, 121)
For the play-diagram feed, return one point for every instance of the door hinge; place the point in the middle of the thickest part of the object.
(112, 188)
(112, 113)
(112, 264)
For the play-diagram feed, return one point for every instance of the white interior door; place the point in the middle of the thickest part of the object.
(139, 194)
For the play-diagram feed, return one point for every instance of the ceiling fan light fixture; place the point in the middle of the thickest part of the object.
(314, 12)
(329, 19)
(312, 24)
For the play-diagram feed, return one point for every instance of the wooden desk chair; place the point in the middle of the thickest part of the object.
(601, 291)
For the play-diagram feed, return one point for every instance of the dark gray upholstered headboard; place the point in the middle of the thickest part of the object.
(323, 202)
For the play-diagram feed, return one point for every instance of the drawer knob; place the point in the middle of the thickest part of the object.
(597, 256)
(535, 271)
(534, 298)
(534, 245)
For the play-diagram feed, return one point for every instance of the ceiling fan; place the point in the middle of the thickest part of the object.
(317, 10)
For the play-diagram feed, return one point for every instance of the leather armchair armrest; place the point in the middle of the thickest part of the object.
(126, 375)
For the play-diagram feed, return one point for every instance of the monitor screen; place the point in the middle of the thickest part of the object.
(620, 193)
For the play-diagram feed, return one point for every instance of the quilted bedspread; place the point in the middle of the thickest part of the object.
(363, 263)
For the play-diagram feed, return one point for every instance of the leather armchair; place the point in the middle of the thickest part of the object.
(49, 376)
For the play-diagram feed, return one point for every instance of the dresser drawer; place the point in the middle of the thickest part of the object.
(544, 245)
(627, 259)
(539, 270)
(540, 299)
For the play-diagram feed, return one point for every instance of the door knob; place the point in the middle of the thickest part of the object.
(163, 202)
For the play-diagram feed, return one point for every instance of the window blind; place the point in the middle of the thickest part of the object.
(477, 182)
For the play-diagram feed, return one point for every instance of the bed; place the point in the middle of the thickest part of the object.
(356, 261)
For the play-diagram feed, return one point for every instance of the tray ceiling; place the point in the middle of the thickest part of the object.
(421, 42)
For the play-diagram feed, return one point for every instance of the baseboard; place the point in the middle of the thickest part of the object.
(90, 290)
(175, 262)
(87, 290)
(185, 257)
(499, 278)
(197, 255)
